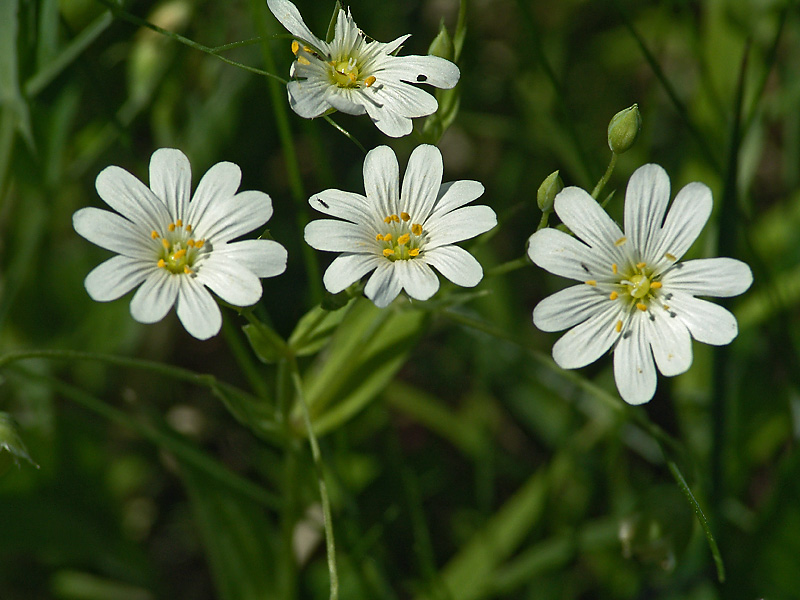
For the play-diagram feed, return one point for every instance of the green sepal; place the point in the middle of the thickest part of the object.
(315, 328)
(332, 26)
(268, 345)
(442, 44)
(12, 448)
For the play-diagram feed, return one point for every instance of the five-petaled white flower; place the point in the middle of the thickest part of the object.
(176, 248)
(355, 76)
(400, 233)
(635, 296)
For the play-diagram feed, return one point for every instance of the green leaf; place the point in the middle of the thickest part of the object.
(268, 345)
(10, 97)
(314, 329)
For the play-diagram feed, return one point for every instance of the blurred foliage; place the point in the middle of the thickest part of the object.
(463, 466)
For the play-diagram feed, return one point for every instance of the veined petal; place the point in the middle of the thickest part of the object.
(646, 202)
(670, 341)
(460, 224)
(634, 370)
(588, 341)
(382, 179)
(351, 101)
(720, 277)
(433, 70)
(197, 310)
(112, 232)
(389, 122)
(228, 218)
(707, 322)
(132, 199)
(309, 97)
(155, 297)
(401, 98)
(264, 258)
(219, 183)
(458, 265)
(348, 268)
(568, 307)
(687, 216)
(563, 255)
(455, 194)
(389, 48)
(421, 182)
(587, 219)
(171, 180)
(230, 280)
(338, 236)
(417, 279)
(346, 205)
(383, 286)
(290, 18)
(116, 277)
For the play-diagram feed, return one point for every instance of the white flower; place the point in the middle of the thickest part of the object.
(355, 76)
(635, 296)
(400, 233)
(176, 248)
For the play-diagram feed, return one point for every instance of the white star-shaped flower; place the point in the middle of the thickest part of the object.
(400, 233)
(354, 75)
(635, 297)
(174, 248)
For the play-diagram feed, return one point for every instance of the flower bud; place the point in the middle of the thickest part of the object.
(548, 191)
(11, 447)
(624, 129)
(442, 44)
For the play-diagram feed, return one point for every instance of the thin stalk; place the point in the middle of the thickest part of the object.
(512, 265)
(330, 544)
(545, 218)
(606, 176)
(345, 133)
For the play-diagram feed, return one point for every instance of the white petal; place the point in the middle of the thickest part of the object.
(309, 97)
(401, 98)
(587, 219)
(116, 277)
(461, 224)
(707, 322)
(433, 70)
(264, 258)
(346, 205)
(339, 236)
(171, 180)
(720, 277)
(352, 101)
(458, 265)
(112, 232)
(346, 269)
(132, 199)
(417, 279)
(686, 218)
(197, 310)
(389, 122)
(670, 340)
(219, 183)
(634, 370)
(568, 308)
(421, 182)
(389, 48)
(383, 286)
(585, 343)
(290, 18)
(228, 218)
(155, 297)
(382, 179)
(230, 280)
(455, 194)
(646, 202)
(563, 255)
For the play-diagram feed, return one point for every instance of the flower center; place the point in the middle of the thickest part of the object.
(402, 240)
(178, 252)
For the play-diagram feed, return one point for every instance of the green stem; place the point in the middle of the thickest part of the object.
(606, 176)
(512, 265)
(323, 489)
(345, 133)
(543, 221)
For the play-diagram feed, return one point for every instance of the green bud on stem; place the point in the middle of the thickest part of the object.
(548, 191)
(624, 129)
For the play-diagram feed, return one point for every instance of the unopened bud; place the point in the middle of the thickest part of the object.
(624, 129)
(442, 44)
(548, 191)
(11, 447)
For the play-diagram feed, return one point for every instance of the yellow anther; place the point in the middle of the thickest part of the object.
(395, 218)
(190, 243)
(414, 252)
(369, 80)
(655, 285)
(164, 243)
(154, 234)
(187, 270)
(388, 219)
(666, 307)
(188, 228)
(387, 237)
(352, 77)
(591, 282)
(379, 237)
(387, 252)
(618, 326)
(295, 46)
(403, 239)
(642, 307)
(613, 296)
(303, 60)
(405, 216)
(180, 253)
(641, 265)
(416, 229)
(670, 257)
(161, 263)
(199, 243)
(614, 268)
(171, 226)
(179, 222)
(621, 241)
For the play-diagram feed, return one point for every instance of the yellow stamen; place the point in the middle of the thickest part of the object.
(590, 282)
(395, 218)
(670, 257)
(642, 307)
(303, 60)
(414, 252)
(154, 234)
(388, 237)
(655, 285)
(171, 226)
(403, 239)
(614, 268)
(180, 254)
(190, 243)
(416, 229)
(387, 252)
(621, 241)
(161, 263)
(618, 327)
(164, 243)
(199, 243)
(388, 219)
(179, 222)
(379, 237)
(295, 46)
(188, 228)
(641, 265)
(187, 270)
(369, 80)
(666, 307)
(405, 216)
(613, 296)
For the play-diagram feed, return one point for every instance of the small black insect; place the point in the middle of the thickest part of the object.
(673, 314)
(585, 268)
(422, 78)
(626, 335)
(321, 201)
(668, 297)
(652, 317)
